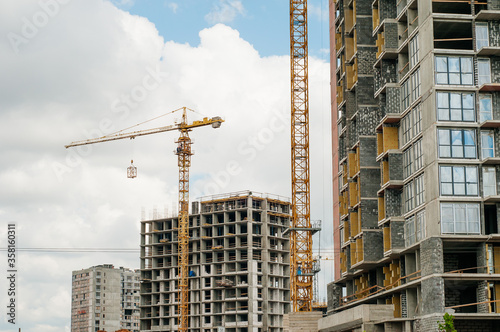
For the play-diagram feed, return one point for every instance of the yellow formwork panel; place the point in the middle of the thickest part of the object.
(396, 301)
(375, 18)
(352, 163)
(354, 254)
(343, 262)
(348, 19)
(347, 231)
(380, 143)
(340, 94)
(359, 245)
(353, 193)
(496, 259)
(387, 239)
(353, 219)
(349, 47)
(390, 138)
(381, 208)
(345, 202)
(385, 172)
(497, 296)
(338, 41)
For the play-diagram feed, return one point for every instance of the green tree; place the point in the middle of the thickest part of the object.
(448, 325)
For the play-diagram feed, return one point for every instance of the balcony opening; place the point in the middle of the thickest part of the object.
(461, 296)
(452, 7)
(461, 258)
(490, 219)
(453, 35)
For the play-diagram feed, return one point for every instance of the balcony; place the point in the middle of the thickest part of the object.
(338, 40)
(387, 140)
(354, 194)
(352, 74)
(350, 47)
(340, 95)
(354, 224)
(394, 241)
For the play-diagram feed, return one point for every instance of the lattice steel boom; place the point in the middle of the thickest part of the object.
(301, 259)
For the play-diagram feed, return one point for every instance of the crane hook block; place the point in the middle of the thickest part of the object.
(131, 170)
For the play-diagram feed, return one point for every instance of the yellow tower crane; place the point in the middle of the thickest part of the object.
(184, 154)
(301, 230)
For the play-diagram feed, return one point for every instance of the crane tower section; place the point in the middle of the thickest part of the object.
(301, 259)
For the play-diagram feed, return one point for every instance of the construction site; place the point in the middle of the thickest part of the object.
(415, 131)
(242, 261)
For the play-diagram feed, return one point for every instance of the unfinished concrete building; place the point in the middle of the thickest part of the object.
(238, 266)
(417, 117)
(105, 298)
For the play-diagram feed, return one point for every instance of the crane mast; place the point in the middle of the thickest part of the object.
(301, 259)
(184, 154)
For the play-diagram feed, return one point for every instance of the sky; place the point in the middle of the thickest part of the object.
(77, 69)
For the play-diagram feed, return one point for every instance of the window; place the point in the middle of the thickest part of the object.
(417, 148)
(455, 106)
(417, 120)
(407, 162)
(411, 124)
(454, 70)
(487, 148)
(489, 181)
(407, 129)
(482, 39)
(410, 231)
(419, 190)
(414, 51)
(415, 85)
(415, 228)
(485, 107)
(483, 71)
(405, 95)
(412, 159)
(420, 229)
(459, 180)
(457, 143)
(460, 218)
(409, 195)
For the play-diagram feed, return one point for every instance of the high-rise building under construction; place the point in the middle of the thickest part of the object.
(416, 164)
(238, 265)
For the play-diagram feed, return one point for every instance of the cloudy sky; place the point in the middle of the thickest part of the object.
(76, 69)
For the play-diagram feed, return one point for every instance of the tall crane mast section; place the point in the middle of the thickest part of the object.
(184, 154)
(301, 258)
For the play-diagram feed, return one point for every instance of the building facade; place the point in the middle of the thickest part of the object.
(417, 110)
(105, 298)
(238, 263)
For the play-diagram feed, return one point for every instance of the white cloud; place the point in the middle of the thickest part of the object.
(173, 6)
(63, 84)
(225, 11)
(124, 3)
(319, 12)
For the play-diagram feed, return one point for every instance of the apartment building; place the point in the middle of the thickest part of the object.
(238, 266)
(105, 298)
(417, 115)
